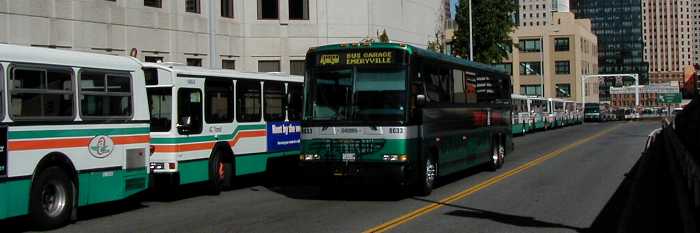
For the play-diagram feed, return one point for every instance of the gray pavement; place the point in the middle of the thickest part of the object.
(563, 194)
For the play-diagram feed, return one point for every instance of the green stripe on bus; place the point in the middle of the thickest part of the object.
(210, 138)
(74, 133)
(14, 200)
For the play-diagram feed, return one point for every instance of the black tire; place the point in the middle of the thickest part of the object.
(426, 180)
(217, 174)
(52, 199)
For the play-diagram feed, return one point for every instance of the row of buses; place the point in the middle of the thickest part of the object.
(80, 128)
(538, 113)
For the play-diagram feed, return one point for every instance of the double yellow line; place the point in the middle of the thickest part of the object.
(448, 200)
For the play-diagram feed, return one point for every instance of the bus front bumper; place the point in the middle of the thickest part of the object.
(372, 173)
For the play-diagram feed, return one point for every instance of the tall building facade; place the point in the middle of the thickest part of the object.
(695, 20)
(247, 35)
(550, 60)
(618, 25)
(539, 12)
(668, 39)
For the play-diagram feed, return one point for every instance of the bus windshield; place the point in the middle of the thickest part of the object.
(354, 94)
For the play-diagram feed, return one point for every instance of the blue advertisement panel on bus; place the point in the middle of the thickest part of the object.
(283, 136)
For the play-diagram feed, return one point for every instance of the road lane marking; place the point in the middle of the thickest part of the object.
(471, 190)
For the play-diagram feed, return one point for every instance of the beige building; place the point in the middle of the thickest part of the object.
(248, 35)
(569, 51)
(540, 12)
(668, 38)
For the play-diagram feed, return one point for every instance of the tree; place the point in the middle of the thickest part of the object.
(384, 38)
(493, 24)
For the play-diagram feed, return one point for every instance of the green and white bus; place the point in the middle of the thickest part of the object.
(522, 118)
(391, 113)
(73, 132)
(212, 125)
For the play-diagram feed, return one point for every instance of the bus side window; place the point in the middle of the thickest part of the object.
(41, 93)
(248, 101)
(219, 101)
(470, 87)
(274, 101)
(189, 111)
(105, 95)
(458, 94)
(296, 100)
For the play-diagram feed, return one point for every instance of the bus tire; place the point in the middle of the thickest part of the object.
(426, 179)
(52, 198)
(497, 156)
(218, 174)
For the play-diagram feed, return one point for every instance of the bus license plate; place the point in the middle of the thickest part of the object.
(348, 156)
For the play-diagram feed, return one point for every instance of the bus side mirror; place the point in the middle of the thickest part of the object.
(420, 100)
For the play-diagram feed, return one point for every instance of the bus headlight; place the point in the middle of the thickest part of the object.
(395, 158)
(309, 157)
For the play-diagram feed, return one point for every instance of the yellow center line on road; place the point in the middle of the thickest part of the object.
(471, 190)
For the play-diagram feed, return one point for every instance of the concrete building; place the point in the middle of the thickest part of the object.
(668, 39)
(249, 35)
(696, 30)
(649, 95)
(540, 12)
(618, 25)
(569, 51)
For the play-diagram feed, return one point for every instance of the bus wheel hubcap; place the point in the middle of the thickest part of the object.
(53, 199)
(429, 172)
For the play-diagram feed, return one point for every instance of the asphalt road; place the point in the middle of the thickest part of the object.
(555, 181)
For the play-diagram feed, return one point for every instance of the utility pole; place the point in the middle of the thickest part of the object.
(471, 36)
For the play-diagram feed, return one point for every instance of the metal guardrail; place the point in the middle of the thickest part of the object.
(685, 174)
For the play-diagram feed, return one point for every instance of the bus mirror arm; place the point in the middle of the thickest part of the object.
(420, 100)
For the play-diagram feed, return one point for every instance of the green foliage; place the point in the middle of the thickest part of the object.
(384, 38)
(493, 24)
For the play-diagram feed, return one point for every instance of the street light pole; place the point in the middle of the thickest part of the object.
(542, 63)
(471, 36)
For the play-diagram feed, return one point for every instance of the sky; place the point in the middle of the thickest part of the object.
(454, 3)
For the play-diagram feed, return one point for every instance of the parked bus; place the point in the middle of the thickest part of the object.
(592, 112)
(539, 112)
(556, 111)
(570, 112)
(212, 125)
(392, 113)
(522, 121)
(74, 132)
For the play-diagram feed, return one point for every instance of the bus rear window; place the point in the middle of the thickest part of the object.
(160, 102)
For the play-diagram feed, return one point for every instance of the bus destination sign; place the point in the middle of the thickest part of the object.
(357, 58)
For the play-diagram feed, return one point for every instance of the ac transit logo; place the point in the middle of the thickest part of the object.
(101, 146)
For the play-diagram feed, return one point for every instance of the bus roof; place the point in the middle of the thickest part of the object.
(199, 71)
(412, 50)
(36, 55)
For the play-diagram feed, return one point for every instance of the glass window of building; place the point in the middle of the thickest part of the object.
(154, 59)
(227, 8)
(530, 68)
(153, 3)
(194, 61)
(562, 67)
(299, 9)
(268, 66)
(296, 67)
(530, 45)
(563, 90)
(561, 44)
(531, 90)
(193, 6)
(228, 64)
(268, 9)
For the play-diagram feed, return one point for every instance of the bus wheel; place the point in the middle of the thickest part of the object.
(497, 157)
(219, 173)
(51, 198)
(427, 179)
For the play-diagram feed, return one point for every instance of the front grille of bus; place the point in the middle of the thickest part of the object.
(341, 146)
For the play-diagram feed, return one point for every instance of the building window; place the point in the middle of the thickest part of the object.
(562, 67)
(564, 90)
(228, 64)
(192, 6)
(153, 59)
(227, 8)
(530, 68)
(506, 67)
(105, 95)
(268, 9)
(268, 66)
(41, 94)
(296, 67)
(299, 9)
(561, 44)
(530, 45)
(531, 90)
(194, 61)
(153, 3)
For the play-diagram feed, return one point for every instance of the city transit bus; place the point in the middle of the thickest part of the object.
(592, 112)
(538, 109)
(557, 113)
(74, 132)
(522, 120)
(212, 125)
(400, 116)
